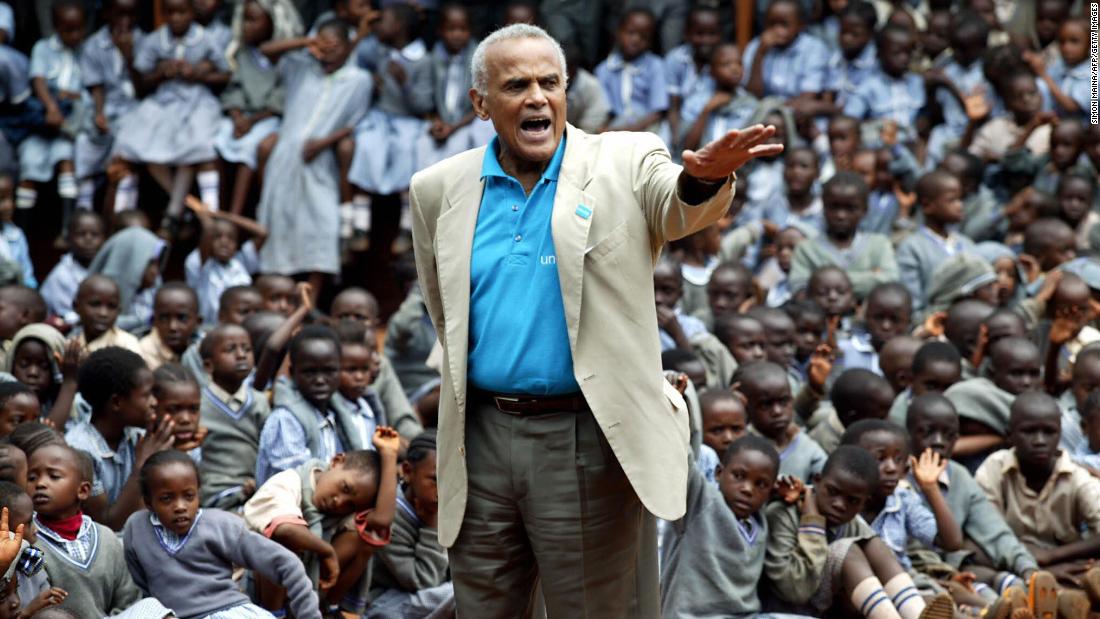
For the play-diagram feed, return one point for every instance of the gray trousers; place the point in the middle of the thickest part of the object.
(549, 505)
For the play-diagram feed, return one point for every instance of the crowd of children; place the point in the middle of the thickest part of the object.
(889, 344)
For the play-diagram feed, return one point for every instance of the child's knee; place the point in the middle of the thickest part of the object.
(855, 567)
(345, 149)
(267, 145)
(881, 558)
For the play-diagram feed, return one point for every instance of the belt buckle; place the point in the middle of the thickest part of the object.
(498, 400)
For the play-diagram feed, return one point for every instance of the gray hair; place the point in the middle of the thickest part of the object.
(479, 73)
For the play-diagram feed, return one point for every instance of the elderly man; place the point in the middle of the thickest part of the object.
(558, 436)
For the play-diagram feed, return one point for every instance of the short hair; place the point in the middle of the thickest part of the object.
(855, 461)
(82, 462)
(164, 458)
(31, 436)
(726, 324)
(850, 390)
(9, 492)
(1014, 342)
(889, 30)
(973, 167)
(346, 292)
(310, 333)
(334, 25)
(931, 184)
(28, 299)
(108, 372)
(631, 12)
(967, 20)
(1077, 174)
(85, 214)
(171, 374)
(892, 288)
(350, 332)
(365, 461)
(855, 432)
(758, 370)
(1090, 413)
(799, 309)
(823, 270)
(260, 326)
(845, 179)
(7, 461)
(420, 447)
(479, 70)
(407, 15)
(207, 344)
(1038, 235)
(863, 11)
(795, 3)
(710, 396)
(177, 286)
(676, 358)
(935, 352)
(55, 612)
(230, 294)
(62, 5)
(733, 267)
(1032, 399)
(10, 389)
(751, 442)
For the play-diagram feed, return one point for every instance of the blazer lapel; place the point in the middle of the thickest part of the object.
(572, 217)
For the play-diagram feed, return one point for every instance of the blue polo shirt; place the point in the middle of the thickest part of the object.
(518, 338)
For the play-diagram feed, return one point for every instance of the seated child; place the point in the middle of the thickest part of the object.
(586, 104)
(821, 551)
(1023, 125)
(178, 400)
(789, 238)
(856, 394)
(982, 215)
(845, 141)
(714, 564)
(132, 258)
(33, 361)
(810, 323)
(175, 320)
(278, 293)
(962, 326)
(830, 288)
(13, 464)
(784, 61)
(729, 289)
(1050, 503)
(1085, 379)
(196, 578)
(896, 361)
(933, 424)
(118, 386)
(866, 258)
(13, 243)
(853, 54)
(27, 307)
(798, 204)
(985, 403)
(359, 366)
(698, 256)
(304, 421)
(939, 195)
(233, 414)
(893, 93)
(769, 407)
(687, 65)
(724, 419)
(743, 335)
(220, 262)
(1087, 454)
(779, 336)
(1076, 195)
(638, 103)
(18, 404)
(85, 236)
(677, 328)
(895, 511)
(333, 514)
(83, 558)
(35, 592)
(409, 576)
(97, 304)
(1051, 243)
(719, 103)
(963, 276)
(1068, 77)
(936, 366)
(885, 317)
(355, 304)
(238, 303)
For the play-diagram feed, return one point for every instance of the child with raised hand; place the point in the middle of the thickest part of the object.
(35, 592)
(895, 511)
(719, 102)
(821, 551)
(1068, 77)
(85, 236)
(714, 562)
(1023, 126)
(97, 304)
(409, 575)
(769, 406)
(178, 400)
(643, 105)
(83, 557)
(220, 261)
(175, 321)
(309, 510)
(118, 386)
(196, 578)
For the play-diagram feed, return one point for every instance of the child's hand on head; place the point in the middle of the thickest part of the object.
(158, 437)
(386, 440)
(927, 469)
(1066, 325)
(789, 488)
(305, 295)
(934, 325)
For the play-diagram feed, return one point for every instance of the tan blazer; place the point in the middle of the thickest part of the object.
(605, 262)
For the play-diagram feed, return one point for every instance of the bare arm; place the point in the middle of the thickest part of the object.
(274, 49)
(272, 353)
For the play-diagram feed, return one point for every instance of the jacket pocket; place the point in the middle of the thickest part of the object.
(609, 243)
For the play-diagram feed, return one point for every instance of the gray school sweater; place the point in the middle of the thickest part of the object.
(413, 560)
(98, 587)
(197, 579)
(712, 564)
(802, 457)
(868, 261)
(980, 520)
(980, 399)
(230, 449)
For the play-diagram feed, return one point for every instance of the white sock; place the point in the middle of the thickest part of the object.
(904, 596)
(85, 194)
(208, 188)
(66, 185)
(1004, 580)
(25, 197)
(346, 217)
(126, 194)
(360, 213)
(871, 601)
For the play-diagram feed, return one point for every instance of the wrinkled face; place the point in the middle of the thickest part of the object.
(746, 482)
(179, 15)
(20, 408)
(1035, 436)
(69, 23)
(935, 428)
(727, 290)
(54, 482)
(887, 317)
(239, 307)
(525, 98)
(747, 342)
(173, 495)
(139, 406)
(769, 404)
(726, 67)
(316, 371)
(97, 305)
(180, 402)
(355, 369)
(256, 26)
(841, 496)
(635, 35)
(232, 359)
(31, 365)
(341, 491)
(667, 286)
(86, 237)
(893, 459)
(1075, 199)
(1016, 369)
(783, 19)
(845, 206)
(831, 290)
(454, 30)
(784, 247)
(1073, 41)
(703, 33)
(807, 336)
(175, 318)
(854, 36)
(724, 421)
(936, 377)
(799, 171)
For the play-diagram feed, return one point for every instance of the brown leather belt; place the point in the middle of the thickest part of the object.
(523, 405)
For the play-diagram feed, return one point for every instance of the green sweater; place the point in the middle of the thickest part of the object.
(868, 261)
(98, 587)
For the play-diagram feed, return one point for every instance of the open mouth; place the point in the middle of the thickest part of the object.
(536, 126)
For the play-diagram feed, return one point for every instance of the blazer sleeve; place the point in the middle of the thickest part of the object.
(656, 184)
(423, 233)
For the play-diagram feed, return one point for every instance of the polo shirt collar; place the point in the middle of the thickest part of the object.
(1062, 466)
(490, 165)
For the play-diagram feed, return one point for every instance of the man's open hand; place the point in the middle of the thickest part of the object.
(720, 158)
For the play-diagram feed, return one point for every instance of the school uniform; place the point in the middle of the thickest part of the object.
(810, 220)
(681, 73)
(14, 249)
(60, 286)
(734, 115)
(112, 337)
(102, 64)
(695, 278)
(868, 261)
(112, 466)
(15, 91)
(1076, 82)
(91, 568)
(905, 517)
(845, 76)
(220, 34)
(634, 88)
(999, 135)
(193, 573)
(386, 138)
(178, 123)
(1073, 438)
(802, 457)
(253, 88)
(124, 258)
(980, 399)
(300, 205)
(410, 338)
(800, 67)
(690, 325)
(828, 432)
(59, 66)
(155, 352)
(712, 563)
(234, 422)
(882, 97)
(451, 83)
(1065, 510)
(210, 278)
(586, 104)
(409, 576)
(882, 213)
(947, 134)
(920, 254)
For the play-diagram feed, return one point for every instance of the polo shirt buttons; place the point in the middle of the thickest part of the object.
(515, 207)
(519, 237)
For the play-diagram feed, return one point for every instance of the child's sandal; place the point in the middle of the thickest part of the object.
(1042, 595)
(1091, 583)
(939, 607)
(1073, 605)
(1011, 600)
